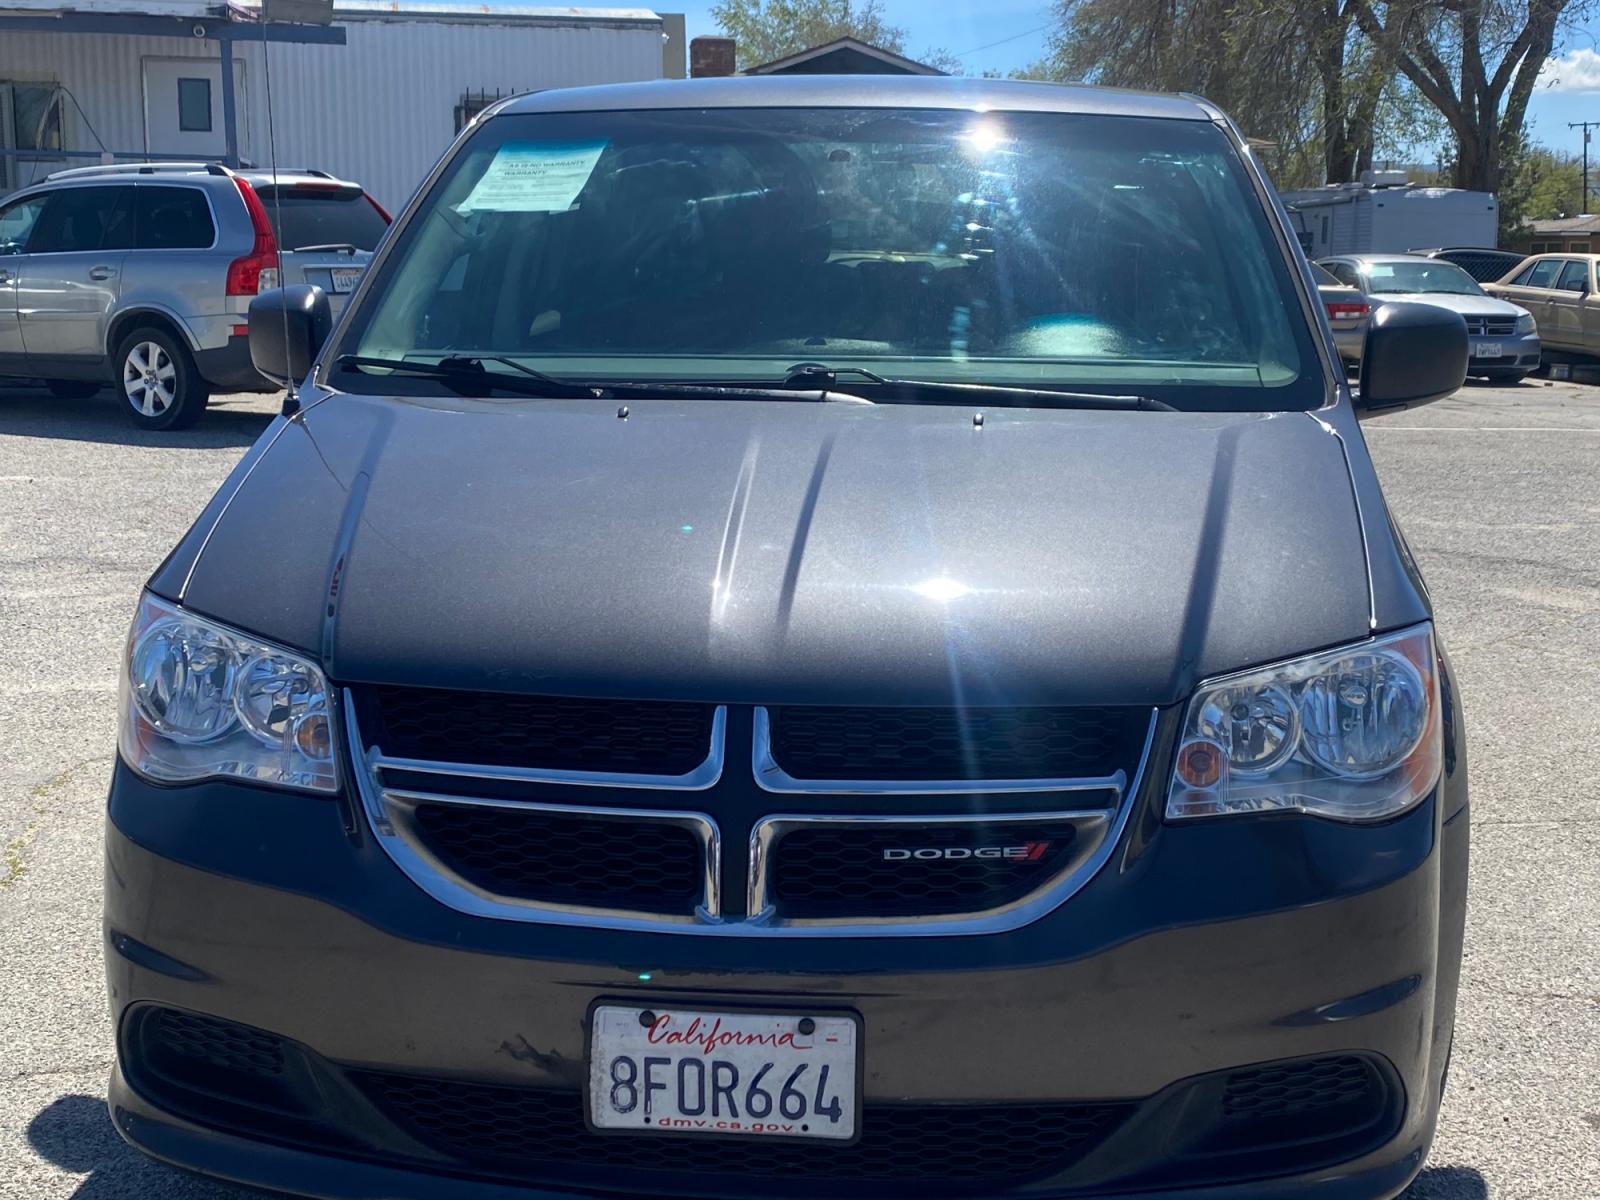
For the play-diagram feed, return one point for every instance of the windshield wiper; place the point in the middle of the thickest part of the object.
(823, 376)
(464, 371)
(326, 248)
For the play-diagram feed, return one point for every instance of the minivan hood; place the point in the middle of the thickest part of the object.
(799, 552)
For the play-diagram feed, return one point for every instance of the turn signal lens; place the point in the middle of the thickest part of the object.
(1354, 734)
(201, 701)
(1200, 764)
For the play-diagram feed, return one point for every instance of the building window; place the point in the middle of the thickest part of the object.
(30, 121)
(1579, 247)
(473, 103)
(194, 105)
(35, 116)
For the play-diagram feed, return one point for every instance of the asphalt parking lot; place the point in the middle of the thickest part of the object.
(1498, 490)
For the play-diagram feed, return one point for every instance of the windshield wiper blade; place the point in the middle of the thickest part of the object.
(822, 375)
(464, 370)
(469, 369)
(1043, 397)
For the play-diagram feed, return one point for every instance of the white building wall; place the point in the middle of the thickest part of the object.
(103, 73)
(1421, 218)
(379, 109)
(1348, 220)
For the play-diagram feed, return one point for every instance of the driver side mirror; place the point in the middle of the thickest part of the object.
(288, 326)
(1415, 354)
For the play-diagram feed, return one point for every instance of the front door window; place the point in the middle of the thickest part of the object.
(16, 223)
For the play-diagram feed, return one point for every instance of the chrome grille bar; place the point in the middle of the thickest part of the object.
(700, 779)
(390, 807)
(773, 778)
(391, 814)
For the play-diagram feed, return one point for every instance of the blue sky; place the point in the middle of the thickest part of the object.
(1003, 34)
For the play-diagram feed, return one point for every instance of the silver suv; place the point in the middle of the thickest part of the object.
(140, 275)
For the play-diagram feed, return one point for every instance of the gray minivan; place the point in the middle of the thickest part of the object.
(140, 275)
(803, 636)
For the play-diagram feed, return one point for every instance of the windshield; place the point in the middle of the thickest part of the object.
(1019, 249)
(1419, 277)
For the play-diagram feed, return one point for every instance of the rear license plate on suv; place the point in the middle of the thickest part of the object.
(345, 278)
(671, 1070)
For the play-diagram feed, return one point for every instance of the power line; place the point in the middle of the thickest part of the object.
(1004, 40)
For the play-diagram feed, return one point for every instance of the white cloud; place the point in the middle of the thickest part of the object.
(1577, 71)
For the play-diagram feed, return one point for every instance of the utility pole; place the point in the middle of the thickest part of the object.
(1583, 201)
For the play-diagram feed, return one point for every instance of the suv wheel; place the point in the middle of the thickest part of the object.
(72, 389)
(159, 380)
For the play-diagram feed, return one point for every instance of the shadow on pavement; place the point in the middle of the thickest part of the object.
(75, 1134)
(1448, 1183)
(29, 413)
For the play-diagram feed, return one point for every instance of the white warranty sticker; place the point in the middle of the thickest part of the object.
(534, 177)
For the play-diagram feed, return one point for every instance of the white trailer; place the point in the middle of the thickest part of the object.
(1386, 215)
(376, 96)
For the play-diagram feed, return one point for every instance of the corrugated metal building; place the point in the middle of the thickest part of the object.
(379, 108)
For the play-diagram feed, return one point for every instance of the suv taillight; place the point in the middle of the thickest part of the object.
(244, 274)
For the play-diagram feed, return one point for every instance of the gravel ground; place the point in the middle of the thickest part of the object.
(1498, 490)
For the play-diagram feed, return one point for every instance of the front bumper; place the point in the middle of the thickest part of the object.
(1503, 356)
(1176, 962)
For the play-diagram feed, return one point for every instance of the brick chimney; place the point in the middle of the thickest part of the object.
(710, 56)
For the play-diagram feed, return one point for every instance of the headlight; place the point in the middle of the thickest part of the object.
(201, 700)
(1526, 324)
(1354, 734)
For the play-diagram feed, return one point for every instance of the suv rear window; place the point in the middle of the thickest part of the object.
(305, 216)
(173, 218)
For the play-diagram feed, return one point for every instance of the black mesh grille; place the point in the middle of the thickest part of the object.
(840, 871)
(518, 1129)
(218, 1043)
(557, 858)
(489, 728)
(1293, 1088)
(945, 743)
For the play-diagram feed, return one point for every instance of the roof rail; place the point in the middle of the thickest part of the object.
(136, 169)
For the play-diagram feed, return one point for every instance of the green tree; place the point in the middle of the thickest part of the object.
(1476, 62)
(1539, 183)
(1299, 76)
(769, 29)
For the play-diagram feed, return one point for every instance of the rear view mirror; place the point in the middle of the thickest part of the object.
(287, 328)
(1415, 354)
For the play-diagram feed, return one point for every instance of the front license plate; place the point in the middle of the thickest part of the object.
(1487, 350)
(674, 1070)
(345, 278)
